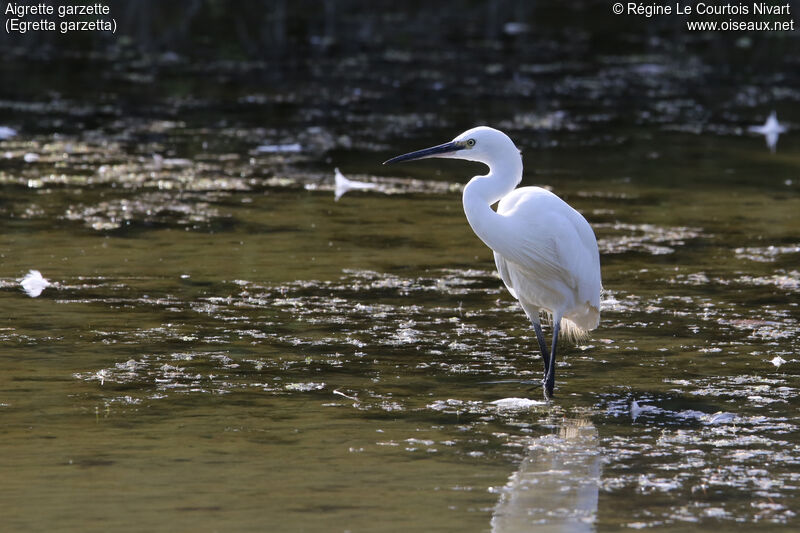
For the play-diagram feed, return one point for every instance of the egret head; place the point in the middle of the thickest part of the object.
(482, 144)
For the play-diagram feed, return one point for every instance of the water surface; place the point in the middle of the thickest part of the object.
(225, 347)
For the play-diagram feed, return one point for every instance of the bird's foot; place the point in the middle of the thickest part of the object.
(543, 382)
(548, 384)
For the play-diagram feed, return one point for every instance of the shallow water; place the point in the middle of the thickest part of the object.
(225, 347)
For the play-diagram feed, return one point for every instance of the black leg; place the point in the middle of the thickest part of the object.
(537, 327)
(550, 378)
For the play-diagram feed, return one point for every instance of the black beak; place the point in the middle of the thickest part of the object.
(434, 151)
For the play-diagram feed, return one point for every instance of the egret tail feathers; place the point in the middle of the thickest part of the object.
(571, 331)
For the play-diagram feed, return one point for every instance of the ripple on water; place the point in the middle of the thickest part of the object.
(766, 254)
(712, 448)
(147, 208)
(620, 238)
(704, 458)
(310, 325)
(781, 280)
(757, 390)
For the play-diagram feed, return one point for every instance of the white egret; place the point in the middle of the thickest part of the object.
(545, 251)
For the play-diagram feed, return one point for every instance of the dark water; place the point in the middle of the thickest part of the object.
(224, 347)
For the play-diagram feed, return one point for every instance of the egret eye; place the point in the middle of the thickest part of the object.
(470, 143)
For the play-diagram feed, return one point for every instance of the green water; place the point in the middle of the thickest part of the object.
(225, 347)
(269, 359)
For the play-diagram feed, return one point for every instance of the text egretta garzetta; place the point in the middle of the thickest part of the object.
(545, 251)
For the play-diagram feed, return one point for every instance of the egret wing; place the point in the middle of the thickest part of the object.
(547, 245)
(505, 275)
(536, 227)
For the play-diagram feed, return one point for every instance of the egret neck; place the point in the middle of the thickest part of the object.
(482, 192)
(524, 233)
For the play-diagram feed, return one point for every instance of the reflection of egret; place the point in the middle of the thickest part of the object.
(545, 251)
(556, 486)
(771, 130)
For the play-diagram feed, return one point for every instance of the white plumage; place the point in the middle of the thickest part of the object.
(545, 251)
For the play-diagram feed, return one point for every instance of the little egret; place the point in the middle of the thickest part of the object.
(545, 251)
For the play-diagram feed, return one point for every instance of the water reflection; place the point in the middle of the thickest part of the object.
(556, 486)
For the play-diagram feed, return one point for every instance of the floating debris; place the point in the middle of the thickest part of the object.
(343, 185)
(778, 361)
(340, 393)
(160, 161)
(516, 404)
(637, 409)
(279, 148)
(771, 130)
(720, 417)
(7, 133)
(33, 283)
